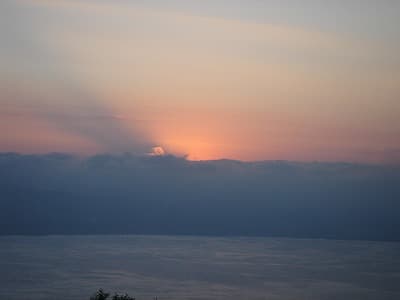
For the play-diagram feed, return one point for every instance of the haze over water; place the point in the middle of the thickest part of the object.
(181, 267)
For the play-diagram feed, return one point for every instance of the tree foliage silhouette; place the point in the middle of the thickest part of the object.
(122, 297)
(101, 295)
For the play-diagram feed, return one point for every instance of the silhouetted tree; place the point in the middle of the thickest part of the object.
(100, 295)
(122, 297)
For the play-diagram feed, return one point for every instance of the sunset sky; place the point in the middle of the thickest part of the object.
(247, 80)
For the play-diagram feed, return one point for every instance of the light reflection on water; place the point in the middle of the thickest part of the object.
(73, 267)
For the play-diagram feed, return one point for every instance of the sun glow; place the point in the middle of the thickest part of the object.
(194, 149)
(157, 151)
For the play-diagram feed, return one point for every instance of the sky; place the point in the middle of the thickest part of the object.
(247, 80)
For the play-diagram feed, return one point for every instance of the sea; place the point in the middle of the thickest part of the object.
(189, 267)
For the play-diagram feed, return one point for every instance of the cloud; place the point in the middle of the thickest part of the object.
(59, 193)
(157, 151)
(39, 87)
(392, 155)
(90, 122)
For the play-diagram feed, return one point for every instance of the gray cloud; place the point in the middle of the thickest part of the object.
(59, 193)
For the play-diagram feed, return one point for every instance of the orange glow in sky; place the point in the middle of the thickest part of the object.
(251, 81)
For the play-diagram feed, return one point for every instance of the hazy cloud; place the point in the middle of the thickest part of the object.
(59, 193)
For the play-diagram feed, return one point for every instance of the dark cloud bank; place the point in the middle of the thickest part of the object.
(63, 194)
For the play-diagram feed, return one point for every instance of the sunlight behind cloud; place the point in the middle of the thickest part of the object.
(209, 85)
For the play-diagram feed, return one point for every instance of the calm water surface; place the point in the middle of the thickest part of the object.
(72, 267)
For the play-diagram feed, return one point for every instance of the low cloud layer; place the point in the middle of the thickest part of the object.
(63, 194)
